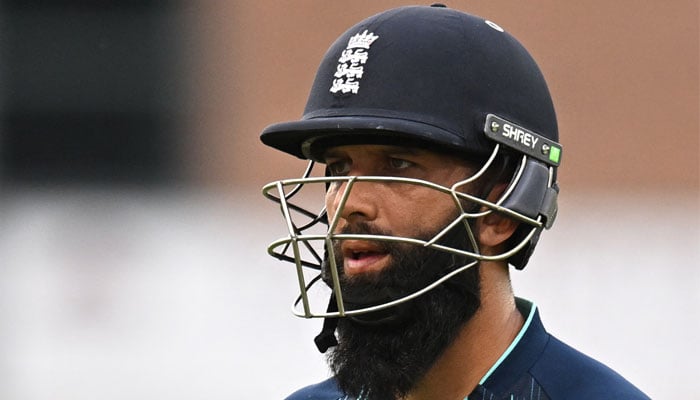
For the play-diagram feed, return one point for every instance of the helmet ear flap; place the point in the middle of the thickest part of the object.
(530, 189)
(532, 197)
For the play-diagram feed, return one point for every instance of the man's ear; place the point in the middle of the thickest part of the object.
(494, 228)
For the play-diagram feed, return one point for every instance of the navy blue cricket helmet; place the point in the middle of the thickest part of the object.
(427, 73)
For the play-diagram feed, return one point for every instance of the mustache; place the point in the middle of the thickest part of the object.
(364, 228)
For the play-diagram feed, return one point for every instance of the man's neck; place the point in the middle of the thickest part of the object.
(480, 343)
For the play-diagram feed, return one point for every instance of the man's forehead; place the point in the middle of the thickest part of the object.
(342, 150)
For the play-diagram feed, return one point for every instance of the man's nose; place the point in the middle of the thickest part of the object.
(355, 201)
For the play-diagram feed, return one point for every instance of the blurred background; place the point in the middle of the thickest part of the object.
(133, 232)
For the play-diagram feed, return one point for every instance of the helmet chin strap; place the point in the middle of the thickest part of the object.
(326, 338)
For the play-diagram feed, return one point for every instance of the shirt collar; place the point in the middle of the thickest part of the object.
(522, 352)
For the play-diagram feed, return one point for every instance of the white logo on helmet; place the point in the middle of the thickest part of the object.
(350, 64)
(494, 26)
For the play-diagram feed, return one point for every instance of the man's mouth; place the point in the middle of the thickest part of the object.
(362, 257)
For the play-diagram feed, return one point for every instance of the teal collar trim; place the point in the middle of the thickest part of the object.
(526, 325)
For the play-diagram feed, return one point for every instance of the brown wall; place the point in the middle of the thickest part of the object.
(623, 74)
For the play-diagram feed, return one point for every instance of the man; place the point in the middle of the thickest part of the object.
(439, 141)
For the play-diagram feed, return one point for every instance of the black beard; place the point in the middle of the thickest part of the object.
(386, 360)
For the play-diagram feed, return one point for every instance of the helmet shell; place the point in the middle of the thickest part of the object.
(430, 74)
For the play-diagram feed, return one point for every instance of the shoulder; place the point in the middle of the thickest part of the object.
(564, 372)
(326, 390)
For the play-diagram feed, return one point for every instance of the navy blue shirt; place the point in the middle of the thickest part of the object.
(536, 366)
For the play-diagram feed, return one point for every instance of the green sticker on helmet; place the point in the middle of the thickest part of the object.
(554, 154)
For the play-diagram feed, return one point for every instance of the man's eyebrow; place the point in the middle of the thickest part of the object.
(387, 149)
(408, 150)
(331, 153)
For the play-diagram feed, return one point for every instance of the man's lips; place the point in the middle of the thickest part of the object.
(361, 256)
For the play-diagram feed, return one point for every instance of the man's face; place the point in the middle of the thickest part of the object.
(399, 209)
(389, 358)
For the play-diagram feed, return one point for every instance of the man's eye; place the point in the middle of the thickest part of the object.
(339, 168)
(398, 163)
